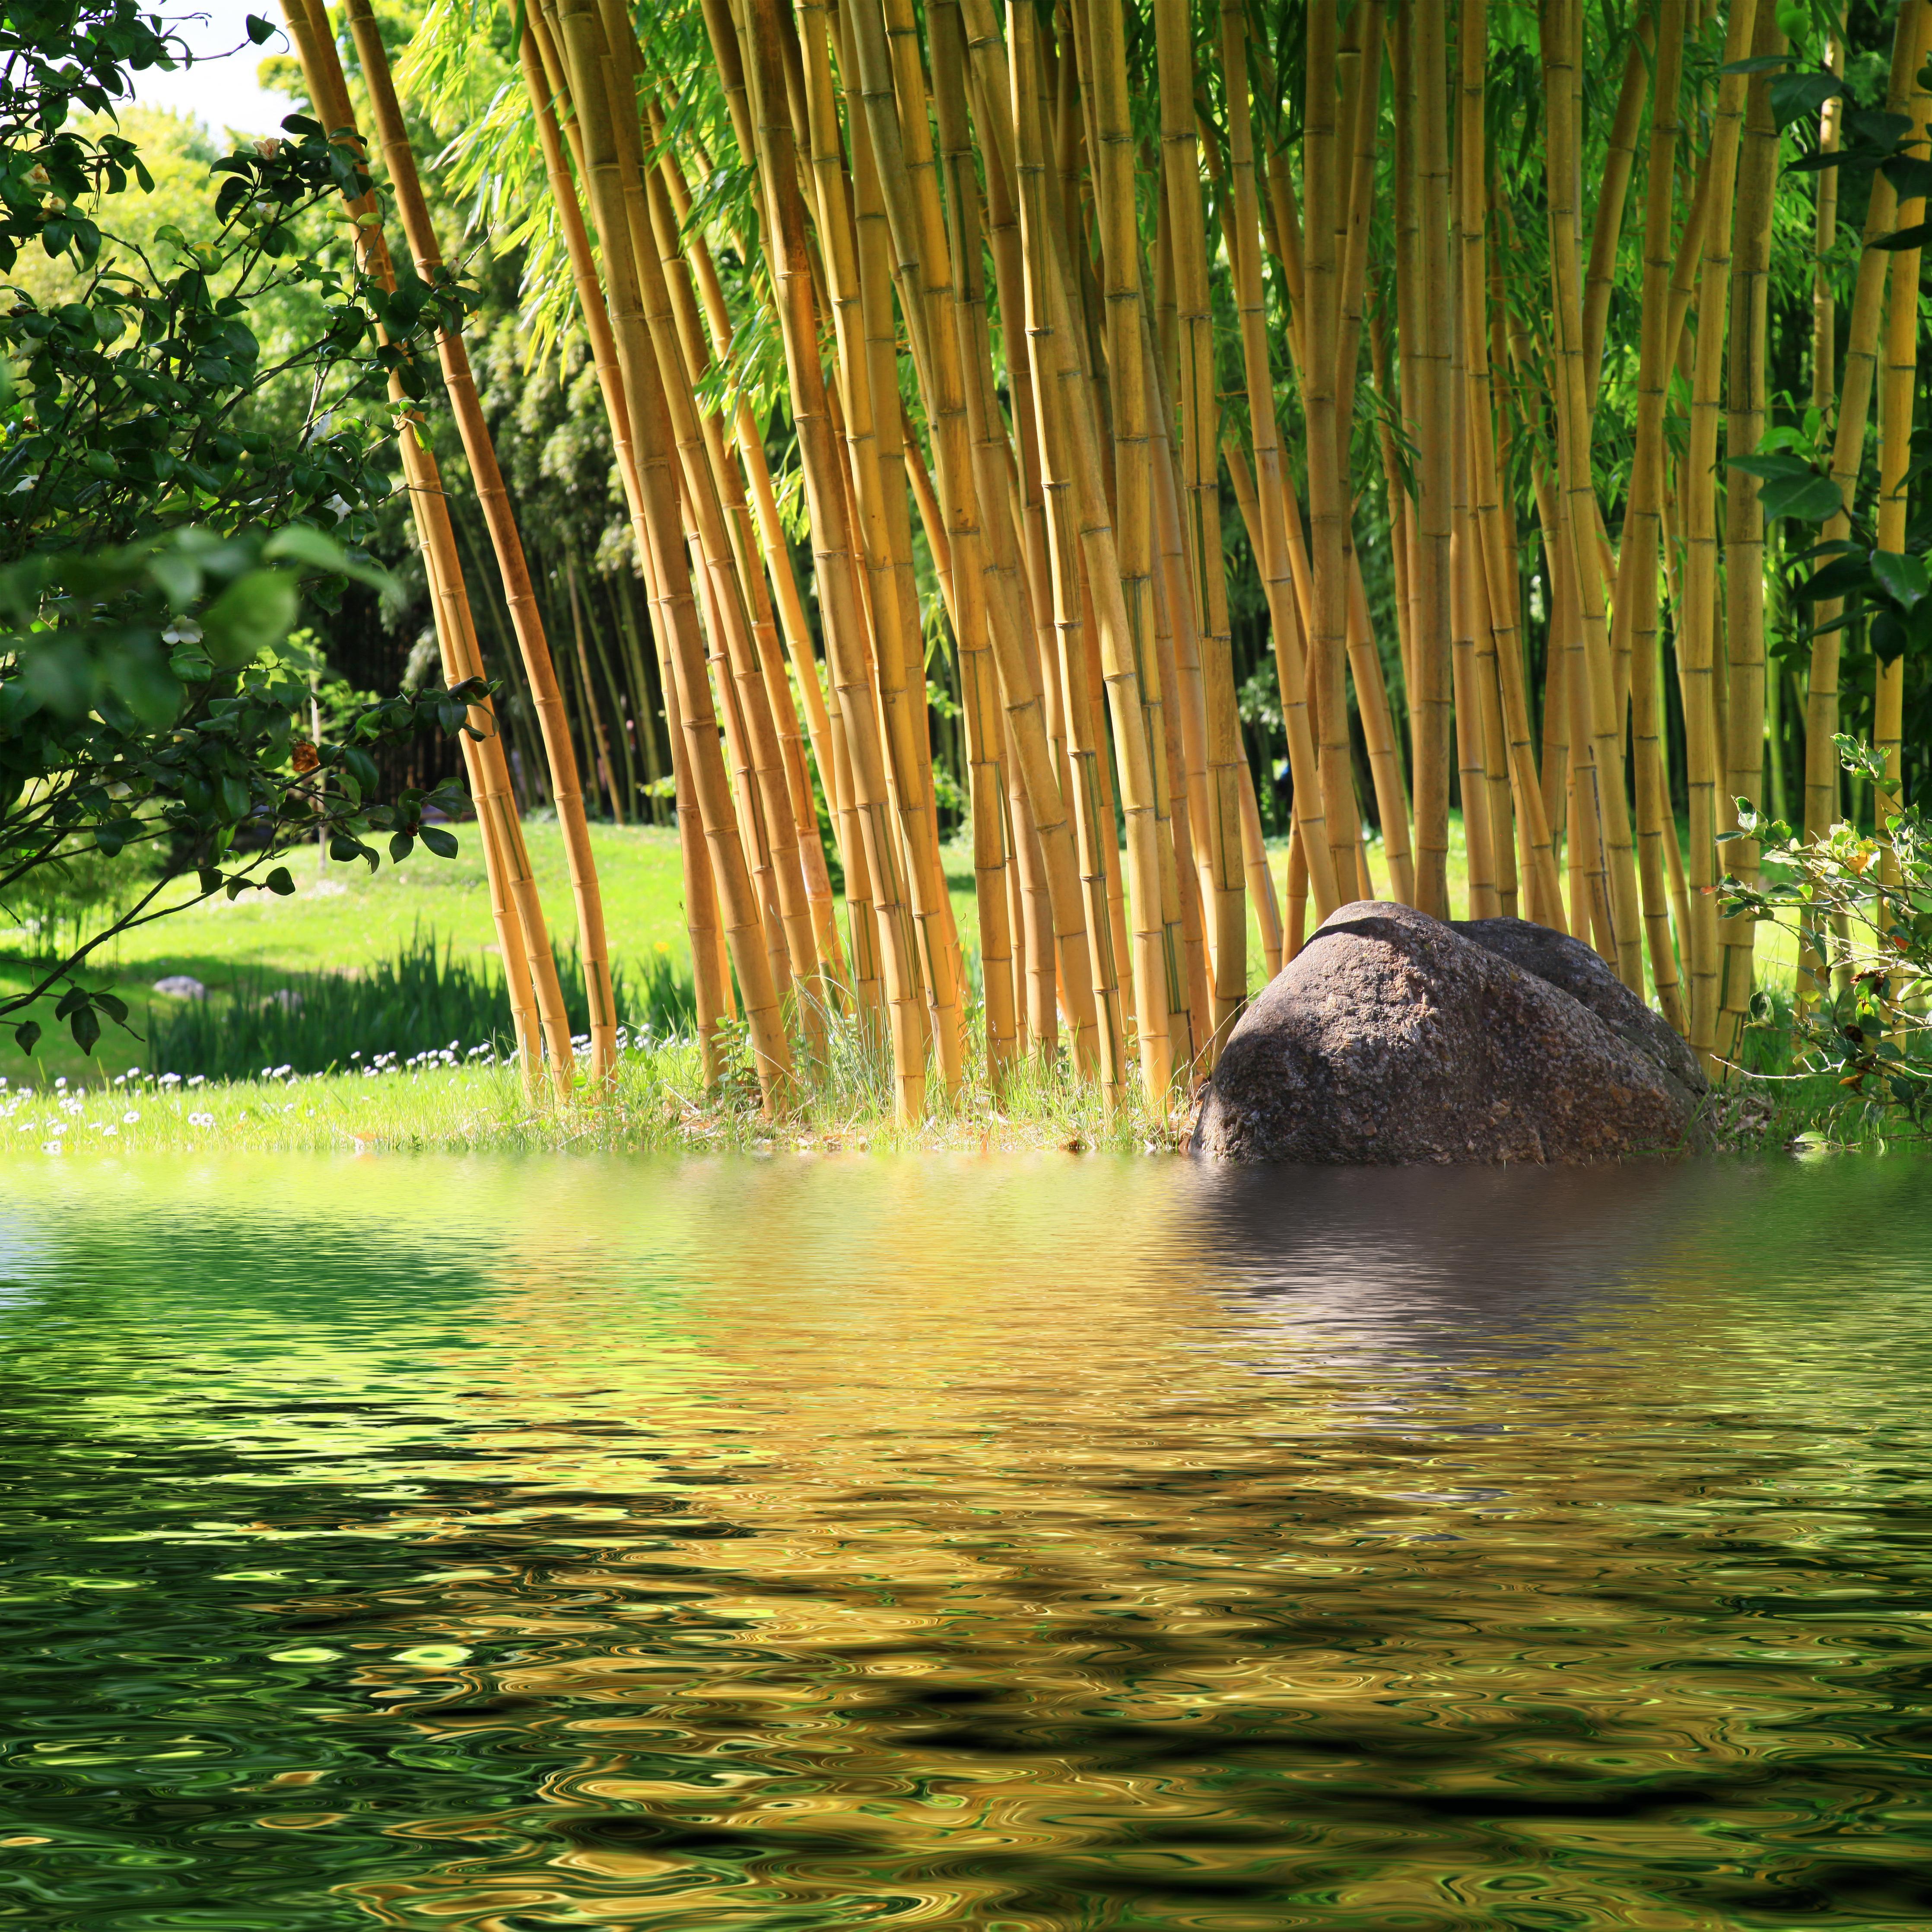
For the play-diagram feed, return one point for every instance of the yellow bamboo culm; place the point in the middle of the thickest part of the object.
(566, 792)
(1697, 614)
(1896, 396)
(578, 34)
(1274, 503)
(1744, 524)
(1198, 412)
(1634, 636)
(1422, 97)
(1601, 826)
(522, 938)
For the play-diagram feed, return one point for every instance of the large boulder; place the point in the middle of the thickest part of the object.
(1392, 1039)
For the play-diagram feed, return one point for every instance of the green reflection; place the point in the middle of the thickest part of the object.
(1007, 1543)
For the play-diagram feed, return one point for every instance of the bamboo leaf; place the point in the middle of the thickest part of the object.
(1822, 162)
(1916, 236)
(1837, 547)
(1911, 176)
(1867, 127)
(1799, 96)
(1772, 466)
(1904, 579)
(1842, 578)
(1810, 499)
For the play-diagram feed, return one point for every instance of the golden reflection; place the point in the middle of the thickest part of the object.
(1032, 1544)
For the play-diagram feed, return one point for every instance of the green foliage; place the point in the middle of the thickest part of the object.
(54, 904)
(145, 704)
(157, 549)
(1861, 907)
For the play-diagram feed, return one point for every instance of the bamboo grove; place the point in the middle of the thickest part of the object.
(1451, 327)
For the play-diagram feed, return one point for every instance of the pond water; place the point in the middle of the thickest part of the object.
(1026, 1544)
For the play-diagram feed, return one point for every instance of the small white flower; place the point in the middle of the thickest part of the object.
(130, 1118)
(61, 1081)
(110, 1129)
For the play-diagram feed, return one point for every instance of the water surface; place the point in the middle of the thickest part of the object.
(1024, 1544)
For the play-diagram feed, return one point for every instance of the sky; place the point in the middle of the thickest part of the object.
(220, 91)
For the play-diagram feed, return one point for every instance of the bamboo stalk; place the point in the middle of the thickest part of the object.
(527, 622)
(899, 147)
(1270, 491)
(776, 606)
(522, 939)
(1055, 372)
(1697, 613)
(1634, 634)
(543, 77)
(825, 484)
(1163, 973)
(1604, 830)
(1606, 231)
(1422, 96)
(1046, 838)
(1821, 692)
(581, 47)
(1197, 420)
(1327, 487)
(1896, 396)
(1511, 739)
(713, 498)
(1822, 784)
(1744, 521)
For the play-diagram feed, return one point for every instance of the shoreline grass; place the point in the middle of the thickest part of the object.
(657, 1104)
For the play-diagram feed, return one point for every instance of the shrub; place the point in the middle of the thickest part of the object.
(1861, 906)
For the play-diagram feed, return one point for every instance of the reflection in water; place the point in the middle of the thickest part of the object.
(1027, 1545)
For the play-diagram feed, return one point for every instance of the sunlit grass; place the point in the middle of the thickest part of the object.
(657, 1102)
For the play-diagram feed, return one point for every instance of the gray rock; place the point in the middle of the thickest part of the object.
(1392, 1039)
(181, 986)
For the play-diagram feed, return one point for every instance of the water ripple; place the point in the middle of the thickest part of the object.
(1026, 1545)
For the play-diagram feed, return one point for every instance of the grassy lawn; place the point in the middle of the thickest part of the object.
(342, 918)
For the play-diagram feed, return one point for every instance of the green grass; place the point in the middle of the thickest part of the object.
(343, 918)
